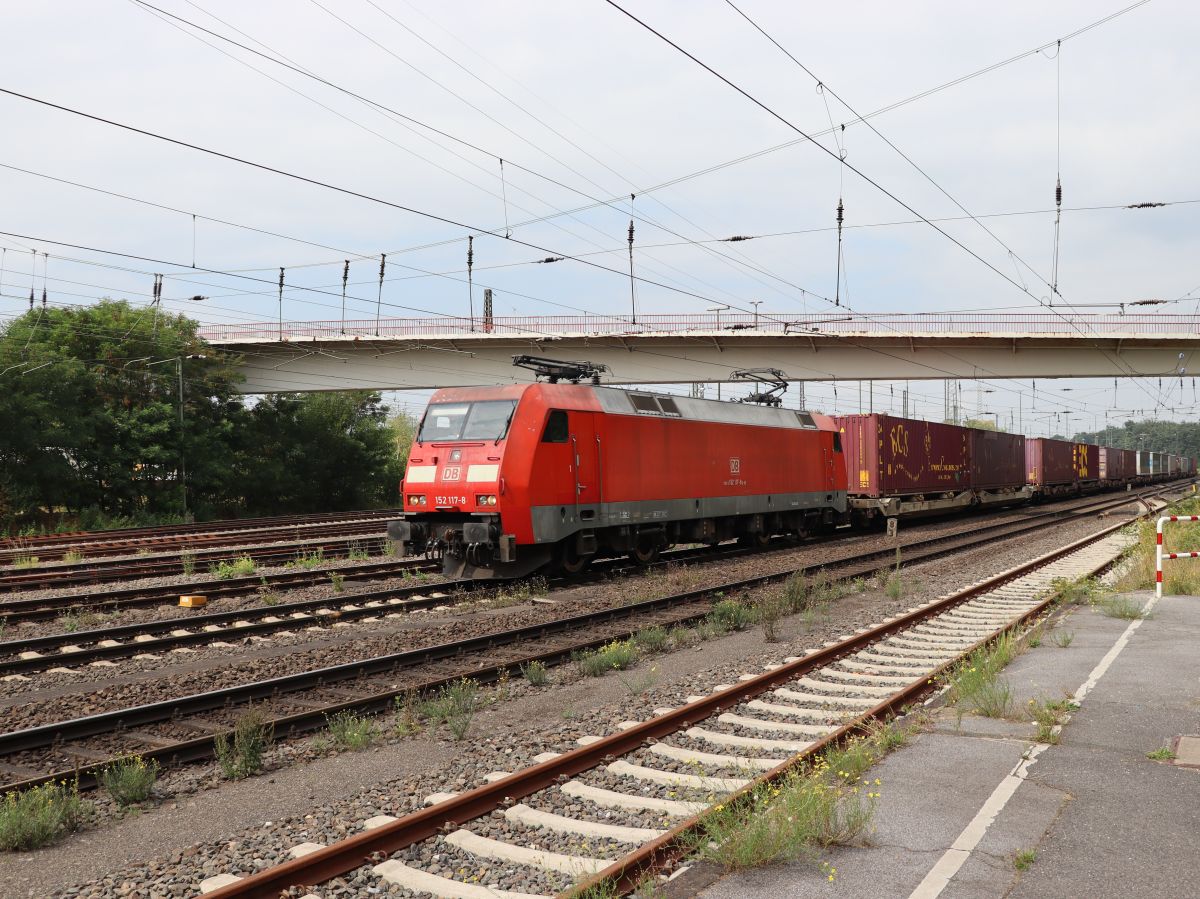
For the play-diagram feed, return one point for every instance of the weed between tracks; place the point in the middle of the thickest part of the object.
(40, 816)
(454, 705)
(242, 754)
(129, 780)
(72, 557)
(352, 731)
(975, 683)
(307, 561)
(240, 567)
(823, 803)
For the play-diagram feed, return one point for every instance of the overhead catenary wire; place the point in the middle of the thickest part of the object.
(812, 141)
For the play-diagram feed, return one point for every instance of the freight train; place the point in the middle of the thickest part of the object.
(504, 481)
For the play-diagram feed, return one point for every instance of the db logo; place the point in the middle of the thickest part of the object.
(735, 465)
(451, 473)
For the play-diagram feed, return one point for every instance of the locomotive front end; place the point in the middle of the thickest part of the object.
(453, 489)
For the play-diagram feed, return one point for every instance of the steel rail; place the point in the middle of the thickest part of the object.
(368, 847)
(42, 736)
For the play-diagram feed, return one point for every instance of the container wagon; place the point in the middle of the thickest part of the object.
(502, 481)
(904, 467)
(1173, 465)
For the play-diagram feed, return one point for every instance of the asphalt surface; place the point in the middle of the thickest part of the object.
(1103, 819)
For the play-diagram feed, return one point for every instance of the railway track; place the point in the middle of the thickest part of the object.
(640, 795)
(63, 748)
(116, 597)
(135, 537)
(342, 540)
(22, 656)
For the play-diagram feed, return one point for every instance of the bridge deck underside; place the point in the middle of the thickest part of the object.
(415, 363)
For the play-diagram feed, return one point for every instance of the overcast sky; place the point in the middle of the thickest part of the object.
(584, 105)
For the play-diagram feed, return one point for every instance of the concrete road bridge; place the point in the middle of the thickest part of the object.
(411, 353)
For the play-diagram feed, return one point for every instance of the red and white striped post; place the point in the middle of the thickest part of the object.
(1159, 555)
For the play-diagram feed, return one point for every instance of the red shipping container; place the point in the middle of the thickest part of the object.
(890, 456)
(997, 459)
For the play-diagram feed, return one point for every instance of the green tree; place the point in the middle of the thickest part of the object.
(89, 412)
(330, 451)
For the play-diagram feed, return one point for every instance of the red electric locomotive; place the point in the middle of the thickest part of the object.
(502, 481)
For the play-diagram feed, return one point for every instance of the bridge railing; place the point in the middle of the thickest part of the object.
(918, 325)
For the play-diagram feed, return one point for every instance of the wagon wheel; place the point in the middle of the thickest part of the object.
(755, 541)
(645, 551)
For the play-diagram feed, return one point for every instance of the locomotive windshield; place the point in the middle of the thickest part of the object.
(483, 420)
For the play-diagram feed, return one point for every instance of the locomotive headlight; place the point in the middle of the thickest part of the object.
(415, 499)
(488, 499)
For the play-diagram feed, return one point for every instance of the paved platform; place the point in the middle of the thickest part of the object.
(961, 801)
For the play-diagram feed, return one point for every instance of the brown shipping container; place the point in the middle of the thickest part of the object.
(997, 459)
(1117, 464)
(890, 456)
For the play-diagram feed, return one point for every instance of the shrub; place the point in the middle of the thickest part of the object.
(242, 755)
(129, 780)
(337, 579)
(351, 731)
(39, 816)
(187, 559)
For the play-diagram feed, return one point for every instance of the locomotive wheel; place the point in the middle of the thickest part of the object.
(568, 560)
(645, 552)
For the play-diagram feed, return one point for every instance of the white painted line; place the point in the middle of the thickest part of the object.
(955, 857)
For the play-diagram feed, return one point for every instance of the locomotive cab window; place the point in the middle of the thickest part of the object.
(556, 427)
(483, 420)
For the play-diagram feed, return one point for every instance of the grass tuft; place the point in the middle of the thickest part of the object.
(40, 816)
(535, 673)
(241, 754)
(129, 780)
(240, 567)
(615, 656)
(454, 705)
(352, 731)
(1117, 606)
(1024, 859)
(1063, 639)
(975, 684)
(1162, 754)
